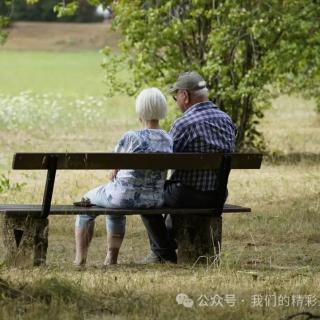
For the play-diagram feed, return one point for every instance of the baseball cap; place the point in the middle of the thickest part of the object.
(188, 81)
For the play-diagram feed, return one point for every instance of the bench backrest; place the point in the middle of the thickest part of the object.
(221, 162)
(98, 161)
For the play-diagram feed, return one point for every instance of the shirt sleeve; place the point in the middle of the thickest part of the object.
(180, 136)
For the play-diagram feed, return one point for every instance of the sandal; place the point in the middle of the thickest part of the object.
(85, 202)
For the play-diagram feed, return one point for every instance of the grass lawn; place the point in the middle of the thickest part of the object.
(270, 261)
(72, 74)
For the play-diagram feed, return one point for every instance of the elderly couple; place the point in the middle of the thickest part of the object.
(203, 127)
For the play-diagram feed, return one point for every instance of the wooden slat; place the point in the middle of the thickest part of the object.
(96, 161)
(72, 210)
(246, 160)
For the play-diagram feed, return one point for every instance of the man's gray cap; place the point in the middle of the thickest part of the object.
(188, 81)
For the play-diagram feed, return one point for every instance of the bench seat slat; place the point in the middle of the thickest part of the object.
(73, 210)
(105, 161)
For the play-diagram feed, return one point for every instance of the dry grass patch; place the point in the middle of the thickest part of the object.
(151, 293)
(60, 36)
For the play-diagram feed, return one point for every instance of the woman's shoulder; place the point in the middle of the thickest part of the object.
(154, 134)
(148, 136)
(145, 140)
(148, 132)
(138, 136)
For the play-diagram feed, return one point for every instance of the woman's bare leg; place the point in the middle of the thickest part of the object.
(83, 237)
(115, 234)
(114, 242)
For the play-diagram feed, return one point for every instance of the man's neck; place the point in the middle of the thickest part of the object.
(194, 102)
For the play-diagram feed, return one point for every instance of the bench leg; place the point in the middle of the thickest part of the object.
(199, 239)
(25, 240)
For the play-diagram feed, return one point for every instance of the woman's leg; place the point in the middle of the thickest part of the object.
(84, 228)
(116, 226)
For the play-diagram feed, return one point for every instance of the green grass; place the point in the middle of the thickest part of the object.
(72, 74)
(274, 252)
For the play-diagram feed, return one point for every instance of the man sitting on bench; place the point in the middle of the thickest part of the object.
(203, 127)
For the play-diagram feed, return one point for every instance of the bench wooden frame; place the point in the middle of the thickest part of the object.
(26, 226)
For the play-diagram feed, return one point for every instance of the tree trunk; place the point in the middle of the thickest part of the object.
(25, 240)
(198, 238)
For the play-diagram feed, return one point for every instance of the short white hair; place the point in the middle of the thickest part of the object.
(151, 104)
(203, 93)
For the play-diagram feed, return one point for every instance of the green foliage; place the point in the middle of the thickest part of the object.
(54, 10)
(33, 11)
(5, 7)
(64, 10)
(242, 48)
(298, 61)
(4, 20)
(5, 184)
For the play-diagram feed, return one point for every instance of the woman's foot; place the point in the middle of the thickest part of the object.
(114, 241)
(112, 256)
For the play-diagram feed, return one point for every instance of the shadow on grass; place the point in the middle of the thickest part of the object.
(293, 158)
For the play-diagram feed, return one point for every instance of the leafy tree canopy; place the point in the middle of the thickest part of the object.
(242, 48)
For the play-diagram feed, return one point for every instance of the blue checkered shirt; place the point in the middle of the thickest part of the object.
(202, 128)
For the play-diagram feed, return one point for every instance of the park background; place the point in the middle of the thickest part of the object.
(53, 98)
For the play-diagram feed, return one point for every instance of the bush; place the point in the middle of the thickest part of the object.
(43, 11)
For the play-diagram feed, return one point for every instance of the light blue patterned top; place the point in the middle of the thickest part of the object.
(136, 188)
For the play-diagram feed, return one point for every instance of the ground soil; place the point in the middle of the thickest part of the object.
(60, 36)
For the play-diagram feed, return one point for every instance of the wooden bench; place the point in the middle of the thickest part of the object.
(25, 227)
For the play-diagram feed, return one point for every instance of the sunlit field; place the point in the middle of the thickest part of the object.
(270, 258)
(74, 74)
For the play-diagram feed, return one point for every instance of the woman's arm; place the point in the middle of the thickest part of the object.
(126, 144)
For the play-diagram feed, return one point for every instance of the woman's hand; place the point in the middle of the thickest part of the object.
(113, 174)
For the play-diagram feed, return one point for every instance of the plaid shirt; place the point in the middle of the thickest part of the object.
(202, 128)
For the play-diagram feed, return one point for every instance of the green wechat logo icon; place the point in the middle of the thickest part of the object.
(183, 299)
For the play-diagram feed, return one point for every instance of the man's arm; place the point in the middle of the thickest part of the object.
(180, 135)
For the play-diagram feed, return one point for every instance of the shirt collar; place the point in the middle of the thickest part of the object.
(200, 106)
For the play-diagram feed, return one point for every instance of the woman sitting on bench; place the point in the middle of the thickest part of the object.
(128, 188)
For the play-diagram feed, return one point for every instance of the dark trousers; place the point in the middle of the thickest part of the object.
(160, 228)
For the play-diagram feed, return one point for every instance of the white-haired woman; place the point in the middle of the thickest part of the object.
(128, 188)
